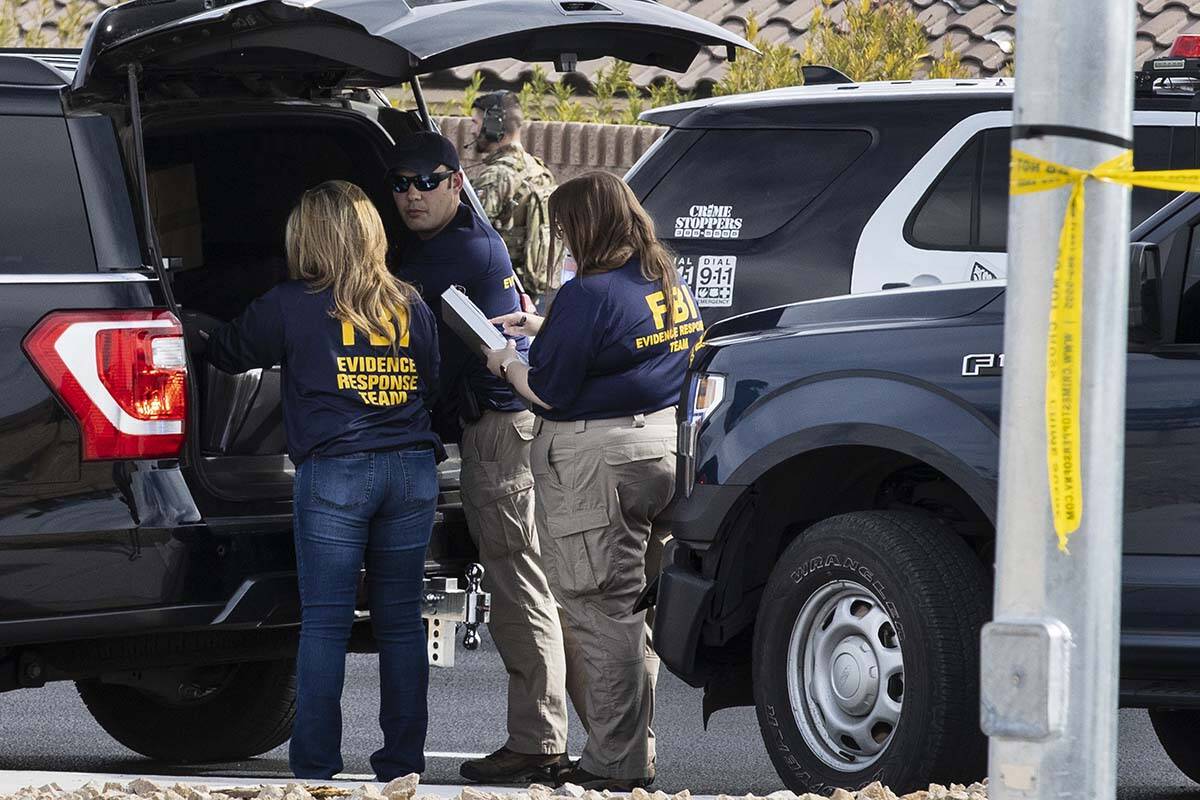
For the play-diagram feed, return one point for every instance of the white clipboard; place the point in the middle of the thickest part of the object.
(470, 323)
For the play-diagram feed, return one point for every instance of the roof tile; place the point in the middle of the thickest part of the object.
(1163, 26)
(980, 18)
(967, 23)
(935, 19)
(1152, 7)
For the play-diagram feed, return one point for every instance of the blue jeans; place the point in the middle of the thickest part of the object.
(376, 507)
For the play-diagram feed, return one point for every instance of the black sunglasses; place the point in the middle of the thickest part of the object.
(424, 183)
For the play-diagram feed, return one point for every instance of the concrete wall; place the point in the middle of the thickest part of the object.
(568, 148)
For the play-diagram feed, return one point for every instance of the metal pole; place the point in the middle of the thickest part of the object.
(1049, 682)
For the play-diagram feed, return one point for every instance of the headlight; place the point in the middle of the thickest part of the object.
(707, 393)
(704, 395)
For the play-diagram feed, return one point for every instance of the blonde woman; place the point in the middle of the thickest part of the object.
(604, 375)
(359, 355)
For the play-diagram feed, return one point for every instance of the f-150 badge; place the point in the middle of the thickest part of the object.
(978, 365)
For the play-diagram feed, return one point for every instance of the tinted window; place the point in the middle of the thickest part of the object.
(1155, 148)
(43, 224)
(745, 184)
(943, 219)
(993, 200)
(1188, 331)
(967, 208)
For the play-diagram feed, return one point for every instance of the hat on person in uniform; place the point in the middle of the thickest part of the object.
(423, 152)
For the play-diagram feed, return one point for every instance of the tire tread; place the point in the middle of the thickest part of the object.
(951, 590)
(245, 720)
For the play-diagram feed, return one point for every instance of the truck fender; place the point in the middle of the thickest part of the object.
(883, 410)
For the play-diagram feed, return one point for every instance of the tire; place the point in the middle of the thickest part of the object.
(894, 591)
(230, 713)
(1177, 733)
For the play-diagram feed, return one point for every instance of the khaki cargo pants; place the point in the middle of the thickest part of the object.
(600, 484)
(497, 488)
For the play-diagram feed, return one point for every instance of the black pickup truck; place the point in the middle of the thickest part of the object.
(145, 497)
(835, 520)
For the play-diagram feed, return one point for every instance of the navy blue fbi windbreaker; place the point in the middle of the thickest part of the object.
(466, 253)
(343, 392)
(606, 349)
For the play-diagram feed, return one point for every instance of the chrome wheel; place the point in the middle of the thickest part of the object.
(845, 673)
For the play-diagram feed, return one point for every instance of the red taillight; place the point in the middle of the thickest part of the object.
(122, 375)
(1186, 46)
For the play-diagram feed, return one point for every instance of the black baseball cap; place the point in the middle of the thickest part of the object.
(423, 152)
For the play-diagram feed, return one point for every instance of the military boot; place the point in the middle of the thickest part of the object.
(581, 777)
(506, 766)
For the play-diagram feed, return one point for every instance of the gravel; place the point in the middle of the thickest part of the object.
(408, 787)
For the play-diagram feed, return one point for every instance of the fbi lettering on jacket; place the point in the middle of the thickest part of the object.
(685, 318)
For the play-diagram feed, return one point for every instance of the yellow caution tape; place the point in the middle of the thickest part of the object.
(1064, 351)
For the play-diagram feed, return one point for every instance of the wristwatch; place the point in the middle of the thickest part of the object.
(504, 366)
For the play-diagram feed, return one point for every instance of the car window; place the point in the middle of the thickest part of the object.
(967, 206)
(1188, 327)
(943, 219)
(1158, 148)
(746, 184)
(43, 225)
(993, 197)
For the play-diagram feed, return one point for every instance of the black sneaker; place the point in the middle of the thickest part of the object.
(581, 777)
(507, 766)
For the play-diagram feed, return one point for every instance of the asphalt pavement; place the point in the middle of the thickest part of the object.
(48, 729)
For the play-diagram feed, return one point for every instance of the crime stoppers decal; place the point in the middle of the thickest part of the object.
(708, 222)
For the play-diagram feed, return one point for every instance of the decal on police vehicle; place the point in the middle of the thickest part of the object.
(708, 222)
(685, 320)
(687, 270)
(981, 273)
(714, 281)
(982, 365)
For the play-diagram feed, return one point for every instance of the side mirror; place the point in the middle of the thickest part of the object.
(1145, 292)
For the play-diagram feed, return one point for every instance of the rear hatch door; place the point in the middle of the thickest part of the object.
(326, 43)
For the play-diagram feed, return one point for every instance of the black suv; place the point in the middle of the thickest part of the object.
(145, 498)
(835, 512)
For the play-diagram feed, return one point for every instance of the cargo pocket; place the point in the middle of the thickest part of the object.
(644, 474)
(632, 452)
(524, 428)
(503, 504)
(342, 481)
(553, 463)
(575, 546)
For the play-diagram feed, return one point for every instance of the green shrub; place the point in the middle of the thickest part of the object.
(773, 66)
(10, 28)
(609, 82)
(633, 109)
(467, 104)
(532, 95)
(71, 25)
(878, 40)
(565, 108)
(74, 22)
(667, 93)
(36, 35)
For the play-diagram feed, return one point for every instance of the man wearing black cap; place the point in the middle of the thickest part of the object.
(454, 247)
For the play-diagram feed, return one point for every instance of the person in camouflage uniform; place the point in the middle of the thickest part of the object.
(514, 186)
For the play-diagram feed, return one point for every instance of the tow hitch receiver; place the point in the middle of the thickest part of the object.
(444, 605)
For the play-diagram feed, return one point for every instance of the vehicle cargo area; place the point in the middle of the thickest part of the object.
(221, 192)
